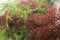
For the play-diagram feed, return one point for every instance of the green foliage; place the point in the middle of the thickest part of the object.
(18, 32)
(41, 2)
(2, 35)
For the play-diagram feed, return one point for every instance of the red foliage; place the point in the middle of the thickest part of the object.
(3, 18)
(31, 3)
(42, 27)
(17, 22)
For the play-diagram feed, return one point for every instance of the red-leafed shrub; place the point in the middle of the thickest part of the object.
(42, 27)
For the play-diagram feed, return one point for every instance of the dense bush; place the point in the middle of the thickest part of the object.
(30, 20)
(43, 27)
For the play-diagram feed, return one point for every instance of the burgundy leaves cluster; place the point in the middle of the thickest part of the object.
(42, 27)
